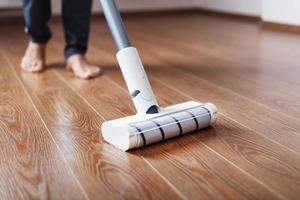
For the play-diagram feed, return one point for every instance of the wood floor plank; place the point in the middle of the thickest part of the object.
(31, 165)
(174, 156)
(102, 170)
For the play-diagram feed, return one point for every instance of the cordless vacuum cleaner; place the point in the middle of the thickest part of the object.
(152, 123)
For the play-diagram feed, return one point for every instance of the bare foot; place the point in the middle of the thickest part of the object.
(81, 67)
(34, 58)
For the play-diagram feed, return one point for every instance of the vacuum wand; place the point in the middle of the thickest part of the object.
(130, 62)
(115, 24)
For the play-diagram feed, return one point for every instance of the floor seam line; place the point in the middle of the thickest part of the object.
(244, 171)
(275, 142)
(49, 132)
(165, 179)
(78, 94)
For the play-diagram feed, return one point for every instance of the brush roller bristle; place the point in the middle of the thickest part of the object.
(172, 125)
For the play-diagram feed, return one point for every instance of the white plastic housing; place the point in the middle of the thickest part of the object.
(136, 79)
(120, 133)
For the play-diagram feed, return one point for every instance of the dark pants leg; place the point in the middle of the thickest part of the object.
(76, 20)
(37, 14)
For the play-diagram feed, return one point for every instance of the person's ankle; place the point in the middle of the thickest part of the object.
(74, 57)
(35, 45)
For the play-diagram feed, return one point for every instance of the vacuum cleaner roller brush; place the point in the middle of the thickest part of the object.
(172, 122)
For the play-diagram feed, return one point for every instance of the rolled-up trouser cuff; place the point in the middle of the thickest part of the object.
(70, 51)
(38, 39)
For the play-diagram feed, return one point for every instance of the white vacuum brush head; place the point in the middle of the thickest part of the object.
(145, 129)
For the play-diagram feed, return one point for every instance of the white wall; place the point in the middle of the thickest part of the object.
(282, 11)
